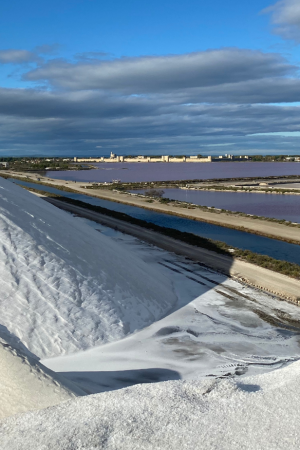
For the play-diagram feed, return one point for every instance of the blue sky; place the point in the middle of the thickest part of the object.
(86, 77)
(134, 28)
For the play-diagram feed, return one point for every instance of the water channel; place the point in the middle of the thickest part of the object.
(247, 241)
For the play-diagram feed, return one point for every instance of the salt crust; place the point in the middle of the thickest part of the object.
(261, 412)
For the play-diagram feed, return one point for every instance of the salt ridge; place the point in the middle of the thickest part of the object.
(66, 287)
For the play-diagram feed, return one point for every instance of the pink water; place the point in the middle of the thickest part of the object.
(131, 172)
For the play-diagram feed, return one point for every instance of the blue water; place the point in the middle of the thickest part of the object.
(247, 241)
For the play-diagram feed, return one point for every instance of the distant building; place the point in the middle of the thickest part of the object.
(143, 159)
(5, 164)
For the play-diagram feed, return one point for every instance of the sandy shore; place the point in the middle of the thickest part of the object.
(256, 226)
(280, 285)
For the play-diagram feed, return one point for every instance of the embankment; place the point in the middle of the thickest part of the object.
(278, 284)
(259, 226)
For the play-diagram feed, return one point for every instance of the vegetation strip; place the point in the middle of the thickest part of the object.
(247, 190)
(283, 267)
(181, 183)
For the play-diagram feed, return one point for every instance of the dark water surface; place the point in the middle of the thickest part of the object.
(276, 249)
(278, 206)
(133, 172)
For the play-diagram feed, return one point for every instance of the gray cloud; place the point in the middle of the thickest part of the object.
(285, 16)
(84, 104)
(47, 49)
(90, 104)
(92, 56)
(164, 73)
(266, 90)
(14, 56)
(48, 123)
(20, 56)
(171, 104)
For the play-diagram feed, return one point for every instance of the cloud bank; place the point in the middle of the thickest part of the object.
(164, 73)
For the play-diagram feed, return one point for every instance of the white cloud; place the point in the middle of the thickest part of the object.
(285, 16)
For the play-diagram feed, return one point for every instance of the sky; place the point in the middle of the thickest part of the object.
(87, 77)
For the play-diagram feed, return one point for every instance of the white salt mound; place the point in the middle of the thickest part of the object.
(261, 412)
(27, 385)
(66, 287)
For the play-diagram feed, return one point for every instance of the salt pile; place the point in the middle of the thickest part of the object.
(66, 287)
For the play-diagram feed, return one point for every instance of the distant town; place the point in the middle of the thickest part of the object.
(183, 158)
(46, 163)
(163, 158)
